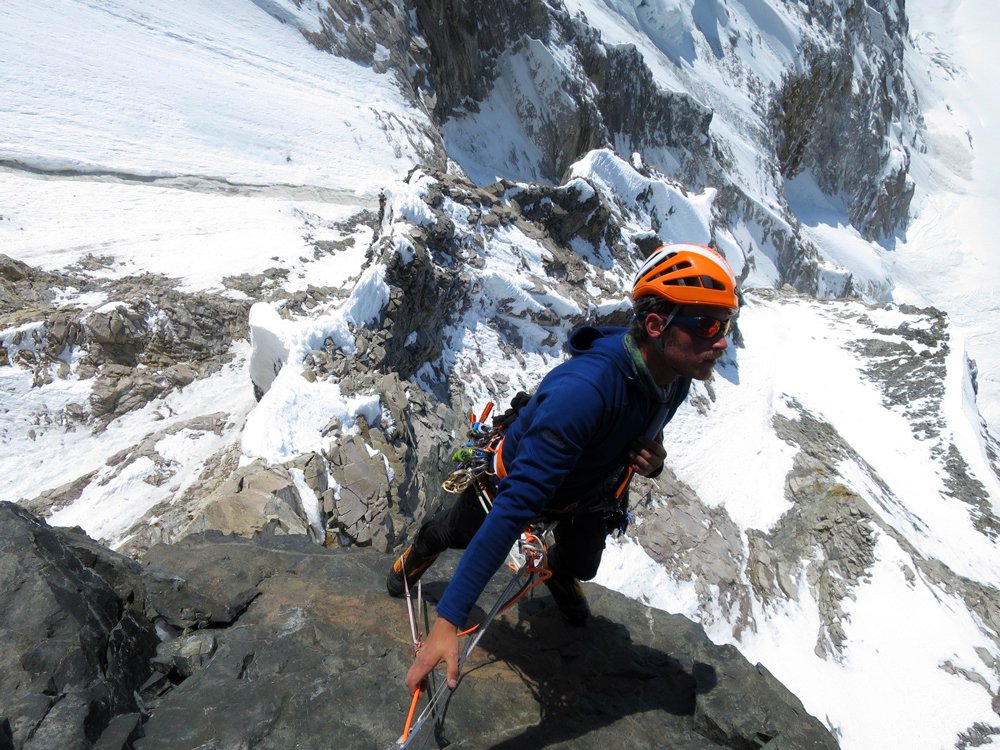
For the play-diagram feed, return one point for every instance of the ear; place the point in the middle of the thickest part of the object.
(655, 323)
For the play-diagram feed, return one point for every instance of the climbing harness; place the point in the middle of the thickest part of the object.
(532, 549)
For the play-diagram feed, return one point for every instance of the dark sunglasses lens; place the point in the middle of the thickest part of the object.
(712, 327)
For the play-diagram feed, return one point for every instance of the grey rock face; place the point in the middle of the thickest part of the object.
(377, 33)
(22, 288)
(697, 543)
(283, 643)
(605, 98)
(363, 489)
(72, 652)
(829, 532)
(154, 341)
(813, 110)
(253, 500)
(317, 637)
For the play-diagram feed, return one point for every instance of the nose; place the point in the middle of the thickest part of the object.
(721, 344)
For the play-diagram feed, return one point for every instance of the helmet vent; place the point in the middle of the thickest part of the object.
(709, 283)
(677, 267)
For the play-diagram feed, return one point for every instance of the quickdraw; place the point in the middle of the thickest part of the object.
(475, 458)
(417, 734)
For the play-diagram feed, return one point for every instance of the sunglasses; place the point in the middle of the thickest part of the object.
(705, 327)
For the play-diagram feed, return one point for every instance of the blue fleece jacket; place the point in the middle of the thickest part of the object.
(568, 442)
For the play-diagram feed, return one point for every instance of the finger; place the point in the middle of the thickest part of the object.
(417, 675)
(653, 447)
(638, 444)
(640, 464)
(452, 672)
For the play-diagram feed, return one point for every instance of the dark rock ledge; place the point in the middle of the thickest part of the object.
(282, 643)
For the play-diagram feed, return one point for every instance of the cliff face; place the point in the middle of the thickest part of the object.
(229, 643)
(852, 81)
(524, 92)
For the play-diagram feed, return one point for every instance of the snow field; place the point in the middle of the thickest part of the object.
(197, 238)
(892, 688)
(223, 91)
(948, 256)
(800, 350)
(290, 418)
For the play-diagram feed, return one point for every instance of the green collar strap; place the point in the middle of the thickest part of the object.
(642, 375)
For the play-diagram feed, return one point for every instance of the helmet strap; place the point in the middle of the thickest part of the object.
(666, 324)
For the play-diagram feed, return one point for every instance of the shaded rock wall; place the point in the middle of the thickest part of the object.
(608, 97)
(854, 84)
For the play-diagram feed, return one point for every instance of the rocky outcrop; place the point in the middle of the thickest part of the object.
(867, 95)
(255, 500)
(388, 478)
(76, 643)
(599, 96)
(280, 642)
(830, 533)
(151, 341)
(696, 543)
(22, 288)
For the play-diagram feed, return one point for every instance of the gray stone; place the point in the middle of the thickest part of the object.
(58, 498)
(121, 733)
(363, 488)
(121, 573)
(695, 543)
(321, 639)
(313, 467)
(65, 726)
(256, 499)
(71, 653)
(183, 656)
(191, 592)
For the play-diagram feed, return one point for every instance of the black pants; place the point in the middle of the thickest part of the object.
(579, 538)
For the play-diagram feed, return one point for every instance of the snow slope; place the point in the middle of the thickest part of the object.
(888, 688)
(950, 256)
(197, 88)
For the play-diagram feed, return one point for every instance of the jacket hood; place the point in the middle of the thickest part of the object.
(601, 341)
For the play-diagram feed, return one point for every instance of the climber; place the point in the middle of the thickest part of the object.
(563, 456)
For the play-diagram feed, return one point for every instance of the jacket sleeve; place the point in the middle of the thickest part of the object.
(569, 414)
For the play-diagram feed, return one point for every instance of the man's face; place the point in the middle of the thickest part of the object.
(684, 351)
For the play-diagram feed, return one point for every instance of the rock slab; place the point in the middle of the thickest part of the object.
(280, 643)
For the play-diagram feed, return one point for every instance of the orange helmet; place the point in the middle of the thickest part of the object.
(687, 275)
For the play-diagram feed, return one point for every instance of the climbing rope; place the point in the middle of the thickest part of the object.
(531, 546)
